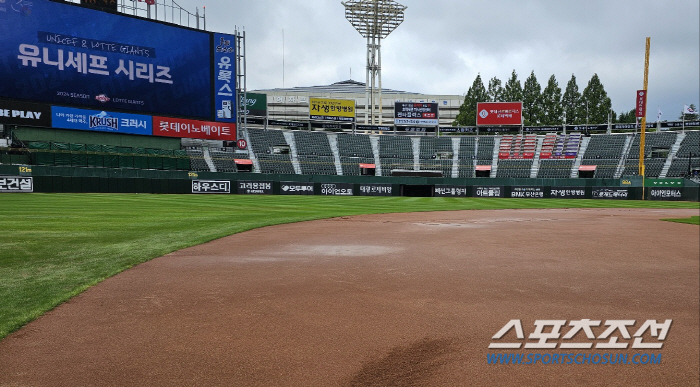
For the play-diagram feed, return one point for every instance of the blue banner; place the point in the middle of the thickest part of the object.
(225, 77)
(65, 54)
(101, 121)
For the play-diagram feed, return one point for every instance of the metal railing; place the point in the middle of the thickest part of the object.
(162, 10)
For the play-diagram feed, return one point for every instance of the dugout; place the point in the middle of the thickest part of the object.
(368, 169)
(586, 171)
(482, 171)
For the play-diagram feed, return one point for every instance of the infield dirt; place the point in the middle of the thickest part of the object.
(379, 300)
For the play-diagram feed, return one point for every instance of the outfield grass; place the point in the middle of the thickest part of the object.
(55, 246)
(691, 220)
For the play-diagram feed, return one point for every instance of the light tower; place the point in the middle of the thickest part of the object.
(374, 20)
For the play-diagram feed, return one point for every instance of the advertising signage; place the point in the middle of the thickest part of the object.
(225, 81)
(100, 121)
(254, 104)
(24, 113)
(341, 110)
(641, 106)
(65, 54)
(411, 113)
(183, 128)
(499, 113)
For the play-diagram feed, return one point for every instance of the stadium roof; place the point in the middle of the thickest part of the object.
(349, 86)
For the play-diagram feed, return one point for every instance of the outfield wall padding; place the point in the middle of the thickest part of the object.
(125, 180)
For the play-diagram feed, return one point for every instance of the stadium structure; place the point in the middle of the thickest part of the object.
(152, 107)
(293, 103)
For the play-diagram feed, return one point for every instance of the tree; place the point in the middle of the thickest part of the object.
(495, 90)
(512, 92)
(571, 102)
(690, 117)
(532, 101)
(467, 112)
(596, 101)
(552, 109)
(627, 117)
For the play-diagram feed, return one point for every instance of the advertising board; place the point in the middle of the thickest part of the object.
(296, 188)
(567, 192)
(66, 54)
(225, 82)
(24, 113)
(412, 113)
(254, 187)
(183, 128)
(499, 113)
(450, 191)
(16, 184)
(340, 110)
(527, 192)
(487, 191)
(211, 187)
(100, 121)
(254, 104)
(375, 190)
(641, 105)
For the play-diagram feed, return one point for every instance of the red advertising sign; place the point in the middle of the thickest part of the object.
(641, 103)
(499, 113)
(183, 128)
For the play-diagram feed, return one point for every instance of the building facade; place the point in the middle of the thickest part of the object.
(292, 104)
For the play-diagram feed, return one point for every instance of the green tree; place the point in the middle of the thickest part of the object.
(532, 101)
(690, 117)
(467, 112)
(512, 91)
(596, 101)
(552, 109)
(627, 117)
(495, 90)
(571, 102)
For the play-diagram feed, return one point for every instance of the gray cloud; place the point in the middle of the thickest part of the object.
(442, 45)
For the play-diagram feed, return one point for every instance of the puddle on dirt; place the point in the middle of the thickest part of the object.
(338, 250)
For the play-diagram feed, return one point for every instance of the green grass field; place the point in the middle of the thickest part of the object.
(55, 246)
(691, 220)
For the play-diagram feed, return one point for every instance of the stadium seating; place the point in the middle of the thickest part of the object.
(224, 160)
(553, 168)
(264, 144)
(484, 153)
(395, 152)
(436, 154)
(517, 147)
(605, 147)
(682, 161)
(106, 156)
(354, 150)
(314, 153)
(516, 168)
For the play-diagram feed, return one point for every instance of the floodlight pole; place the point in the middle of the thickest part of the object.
(374, 20)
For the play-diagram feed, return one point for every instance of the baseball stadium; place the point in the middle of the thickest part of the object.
(163, 225)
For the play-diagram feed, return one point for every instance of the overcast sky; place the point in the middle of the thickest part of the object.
(443, 44)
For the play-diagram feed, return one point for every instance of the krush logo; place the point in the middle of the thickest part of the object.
(103, 121)
(548, 331)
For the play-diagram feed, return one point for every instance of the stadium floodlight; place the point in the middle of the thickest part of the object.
(374, 20)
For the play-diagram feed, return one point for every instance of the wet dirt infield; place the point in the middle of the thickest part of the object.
(383, 300)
